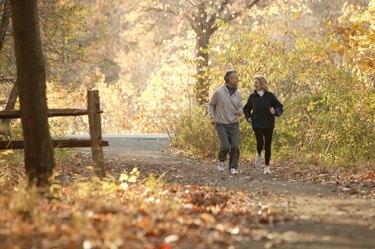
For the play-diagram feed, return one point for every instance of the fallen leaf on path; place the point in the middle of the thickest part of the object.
(368, 175)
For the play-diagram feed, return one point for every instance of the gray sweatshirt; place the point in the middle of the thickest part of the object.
(223, 107)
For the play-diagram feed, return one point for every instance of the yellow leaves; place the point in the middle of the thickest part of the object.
(296, 14)
(124, 177)
(311, 106)
(6, 152)
(208, 218)
(354, 38)
(341, 19)
(334, 45)
(347, 57)
(124, 186)
(131, 178)
(134, 175)
(371, 6)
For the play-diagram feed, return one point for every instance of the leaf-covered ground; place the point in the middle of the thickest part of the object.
(176, 202)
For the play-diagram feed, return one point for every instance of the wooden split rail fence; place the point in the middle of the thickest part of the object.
(95, 142)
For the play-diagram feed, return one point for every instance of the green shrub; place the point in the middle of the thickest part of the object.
(194, 132)
(329, 109)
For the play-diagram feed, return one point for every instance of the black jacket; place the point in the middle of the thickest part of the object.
(258, 108)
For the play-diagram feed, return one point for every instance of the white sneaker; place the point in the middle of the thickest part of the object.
(233, 171)
(258, 160)
(267, 170)
(220, 166)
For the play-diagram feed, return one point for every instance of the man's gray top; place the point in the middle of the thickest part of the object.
(223, 107)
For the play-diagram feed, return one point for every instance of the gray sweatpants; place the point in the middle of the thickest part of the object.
(229, 135)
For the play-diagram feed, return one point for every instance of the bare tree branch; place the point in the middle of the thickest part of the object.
(192, 3)
(213, 18)
(231, 16)
(192, 23)
(223, 5)
(161, 10)
(249, 5)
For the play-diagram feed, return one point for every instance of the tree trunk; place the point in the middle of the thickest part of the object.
(202, 84)
(4, 22)
(31, 80)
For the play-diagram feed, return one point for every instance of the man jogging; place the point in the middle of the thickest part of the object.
(224, 108)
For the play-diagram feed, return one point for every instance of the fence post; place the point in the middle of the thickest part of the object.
(93, 108)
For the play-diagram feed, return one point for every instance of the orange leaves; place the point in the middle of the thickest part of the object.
(103, 215)
(25, 228)
(153, 216)
(165, 246)
(4, 200)
(351, 179)
(145, 223)
(368, 175)
(340, 30)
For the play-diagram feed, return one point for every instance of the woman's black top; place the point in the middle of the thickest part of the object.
(258, 108)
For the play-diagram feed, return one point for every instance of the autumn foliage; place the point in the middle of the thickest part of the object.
(325, 81)
(319, 59)
(127, 211)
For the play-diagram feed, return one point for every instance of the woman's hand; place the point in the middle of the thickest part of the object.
(272, 110)
(239, 113)
(249, 120)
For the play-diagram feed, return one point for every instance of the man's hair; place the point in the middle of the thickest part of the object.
(228, 74)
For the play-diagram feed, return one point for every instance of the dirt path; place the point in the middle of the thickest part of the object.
(323, 216)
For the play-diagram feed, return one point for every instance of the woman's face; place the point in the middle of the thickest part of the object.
(257, 86)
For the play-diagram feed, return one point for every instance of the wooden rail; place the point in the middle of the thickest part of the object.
(57, 143)
(51, 113)
(95, 142)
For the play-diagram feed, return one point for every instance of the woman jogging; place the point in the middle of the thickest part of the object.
(260, 110)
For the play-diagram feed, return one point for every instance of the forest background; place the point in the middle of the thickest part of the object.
(143, 58)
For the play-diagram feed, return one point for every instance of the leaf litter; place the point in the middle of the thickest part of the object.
(130, 209)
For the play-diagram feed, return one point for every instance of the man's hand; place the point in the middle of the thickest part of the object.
(272, 110)
(213, 121)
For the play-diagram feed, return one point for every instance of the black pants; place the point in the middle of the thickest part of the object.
(264, 138)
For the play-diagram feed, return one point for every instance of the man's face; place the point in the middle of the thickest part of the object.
(233, 80)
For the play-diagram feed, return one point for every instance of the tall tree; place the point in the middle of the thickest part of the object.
(4, 22)
(203, 16)
(31, 80)
(62, 45)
